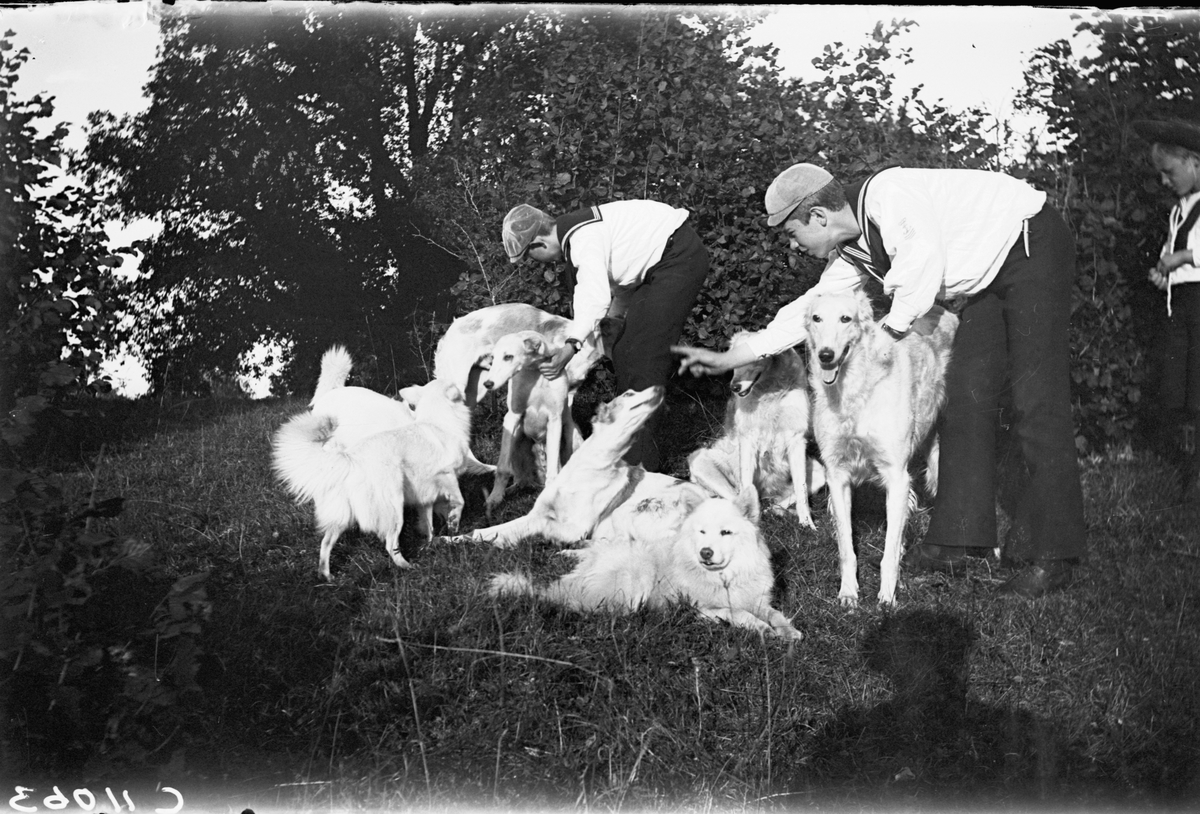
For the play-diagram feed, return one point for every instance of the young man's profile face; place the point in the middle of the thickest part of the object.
(544, 249)
(813, 238)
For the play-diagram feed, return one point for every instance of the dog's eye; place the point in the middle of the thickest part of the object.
(508, 357)
(846, 318)
(725, 532)
(816, 318)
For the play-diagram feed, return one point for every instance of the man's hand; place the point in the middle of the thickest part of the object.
(554, 364)
(704, 362)
(1169, 262)
(1158, 279)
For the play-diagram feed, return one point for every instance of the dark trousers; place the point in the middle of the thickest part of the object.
(1179, 390)
(658, 309)
(1014, 335)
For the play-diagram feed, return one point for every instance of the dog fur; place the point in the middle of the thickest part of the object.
(875, 402)
(539, 410)
(713, 558)
(765, 438)
(592, 484)
(369, 483)
(465, 350)
(355, 412)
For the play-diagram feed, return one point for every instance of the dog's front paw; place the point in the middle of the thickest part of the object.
(807, 521)
(848, 600)
(788, 632)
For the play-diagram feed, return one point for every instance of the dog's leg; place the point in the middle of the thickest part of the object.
(782, 626)
(453, 499)
(738, 618)
(331, 537)
(931, 466)
(505, 535)
(797, 454)
(504, 466)
(392, 543)
(840, 491)
(425, 521)
(898, 484)
(554, 442)
(816, 476)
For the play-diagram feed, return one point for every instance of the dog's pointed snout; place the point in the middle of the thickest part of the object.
(706, 554)
(825, 355)
(488, 384)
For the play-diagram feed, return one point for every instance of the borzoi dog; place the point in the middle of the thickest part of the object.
(539, 409)
(465, 350)
(714, 559)
(765, 439)
(355, 412)
(875, 402)
(369, 483)
(592, 484)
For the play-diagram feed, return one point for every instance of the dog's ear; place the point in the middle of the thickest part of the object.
(453, 393)
(535, 346)
(603, 414)
(485, 361)
(747, 504)
(411, 395)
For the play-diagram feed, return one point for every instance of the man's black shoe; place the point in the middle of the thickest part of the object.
(1038, 579)
(928, 557)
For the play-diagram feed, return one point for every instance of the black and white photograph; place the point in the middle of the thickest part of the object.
(479, 407)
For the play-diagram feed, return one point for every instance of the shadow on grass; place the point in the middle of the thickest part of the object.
(932, 742)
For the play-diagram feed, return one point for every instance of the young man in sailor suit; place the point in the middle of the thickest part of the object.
(989, 240)
(636, 261)
(1175, 154)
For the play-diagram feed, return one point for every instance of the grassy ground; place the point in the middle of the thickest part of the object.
(390, 690)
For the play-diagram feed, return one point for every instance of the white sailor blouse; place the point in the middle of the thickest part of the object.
(945, 234)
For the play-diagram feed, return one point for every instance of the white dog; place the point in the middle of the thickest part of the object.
(369, 483)
(539, 409)
(765, 439)
(355, 412)
(465, 350)
(713, 558)
(875, 402)
(592, 484)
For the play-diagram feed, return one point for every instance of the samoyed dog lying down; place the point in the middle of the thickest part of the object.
(716, 561)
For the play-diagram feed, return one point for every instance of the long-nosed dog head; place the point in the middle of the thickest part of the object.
(629, 411)
(835, 323)
(746, 376)
(511, 353)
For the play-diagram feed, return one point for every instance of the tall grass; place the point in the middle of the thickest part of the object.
(396, 690)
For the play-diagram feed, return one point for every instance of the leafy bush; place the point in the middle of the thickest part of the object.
(100, 646)
(1098, 173)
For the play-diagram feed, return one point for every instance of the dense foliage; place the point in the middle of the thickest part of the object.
(274, 152)
(1098, 170)
(97, 642)
(58, 297)
(323, 176)
(682, 110)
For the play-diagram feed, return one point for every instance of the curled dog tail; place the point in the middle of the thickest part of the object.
(304, 463)
(335, 369)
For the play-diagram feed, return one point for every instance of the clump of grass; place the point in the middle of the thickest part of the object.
(391, 689)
